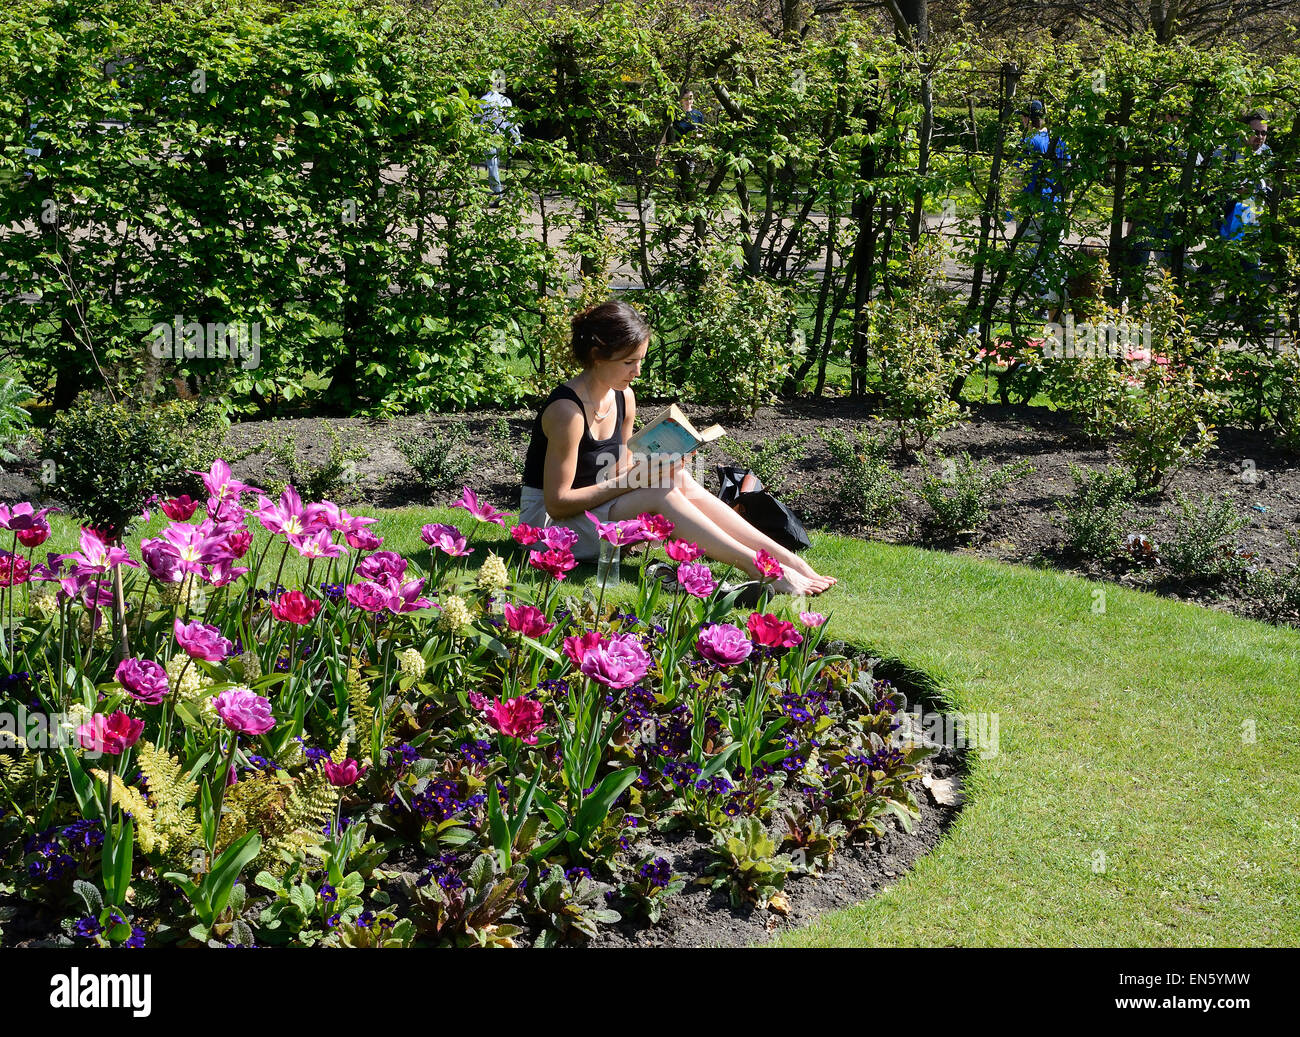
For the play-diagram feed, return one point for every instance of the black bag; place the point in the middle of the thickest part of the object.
(760, 509)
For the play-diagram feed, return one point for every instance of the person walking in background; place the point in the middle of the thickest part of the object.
(688, 126)
(1041, 200)
(1235, 261)
(495, 106)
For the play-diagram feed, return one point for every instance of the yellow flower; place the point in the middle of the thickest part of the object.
(411, 662)
(493, 575)
(455, 614)
(252, 666)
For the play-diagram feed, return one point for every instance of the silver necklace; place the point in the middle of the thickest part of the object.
(601, 415)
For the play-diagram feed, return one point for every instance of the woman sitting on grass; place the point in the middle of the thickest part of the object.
(578, 460)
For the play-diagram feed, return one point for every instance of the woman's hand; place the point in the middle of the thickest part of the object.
(656, 470)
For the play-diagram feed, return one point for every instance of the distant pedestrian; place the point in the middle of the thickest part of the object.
(1041, 197)
(494, 113)
(688, 125)
(1234, 261)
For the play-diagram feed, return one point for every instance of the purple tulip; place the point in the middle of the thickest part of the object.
(724, 644)
(144, 679)
(201, 641)
(162, 560)
(447, 539)
(696, 578)
(244, 712)
(380, 564)
(619, 664)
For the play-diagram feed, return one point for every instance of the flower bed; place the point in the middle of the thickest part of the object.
(390, 755)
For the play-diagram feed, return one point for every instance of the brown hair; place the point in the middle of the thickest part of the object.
(607, 329)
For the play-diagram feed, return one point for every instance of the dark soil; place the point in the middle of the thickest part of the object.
(1020, 529)
(703, 917)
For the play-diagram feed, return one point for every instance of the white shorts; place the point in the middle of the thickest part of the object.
(532, 510)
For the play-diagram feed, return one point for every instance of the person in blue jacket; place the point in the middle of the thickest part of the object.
(1041, 197)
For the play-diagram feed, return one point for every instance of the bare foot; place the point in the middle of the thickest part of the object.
(795, 584)
(812, 574)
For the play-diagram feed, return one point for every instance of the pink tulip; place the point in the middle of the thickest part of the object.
(244, 711)
(696, 578)
(516, 718)
(629, 531)
(201, 641)
(447, 539)
(618, 664)
(288, 516)
(295, 607)
(14, 569)
(768, 566)
(221, 486)
(315, 545)
(404, 597)
(811, 619)
(682, 551)
(576, 648)
(724, 644)
(341, 775)
(363, 540)
(34, 537)
(554, 563)
(180, 509)
(381, 564)
(144, 679)
(111, 735)
(772, 632)
(559, 538)
(527, 620)
(524, 535)
(239, 541)
(369, 597)
(483, 512)
(23, 517)
(655, 527)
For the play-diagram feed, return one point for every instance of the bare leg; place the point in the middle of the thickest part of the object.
(729, 521)
(692, 524)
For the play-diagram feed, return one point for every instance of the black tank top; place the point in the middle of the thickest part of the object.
(589, 450)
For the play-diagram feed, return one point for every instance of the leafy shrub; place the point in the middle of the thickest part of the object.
(865, 482)
(110, 458)
(1088, 390)
(960, 495)
(769, 459)
(15, 422)
(503, 446)
(1093, 516)
(744, 345)
(1278, 593)
(438, 456)
(336, 478)
(1201, 548)
(919, 351)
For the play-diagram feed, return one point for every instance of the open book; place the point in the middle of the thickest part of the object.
(671, 432)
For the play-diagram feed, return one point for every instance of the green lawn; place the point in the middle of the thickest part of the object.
(1120, 741)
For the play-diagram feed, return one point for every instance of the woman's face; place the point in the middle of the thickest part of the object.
(623, 370)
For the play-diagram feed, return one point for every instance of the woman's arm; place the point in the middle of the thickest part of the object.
(563, 424)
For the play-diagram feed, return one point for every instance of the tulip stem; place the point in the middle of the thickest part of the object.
(221, 795)
(13, 664)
